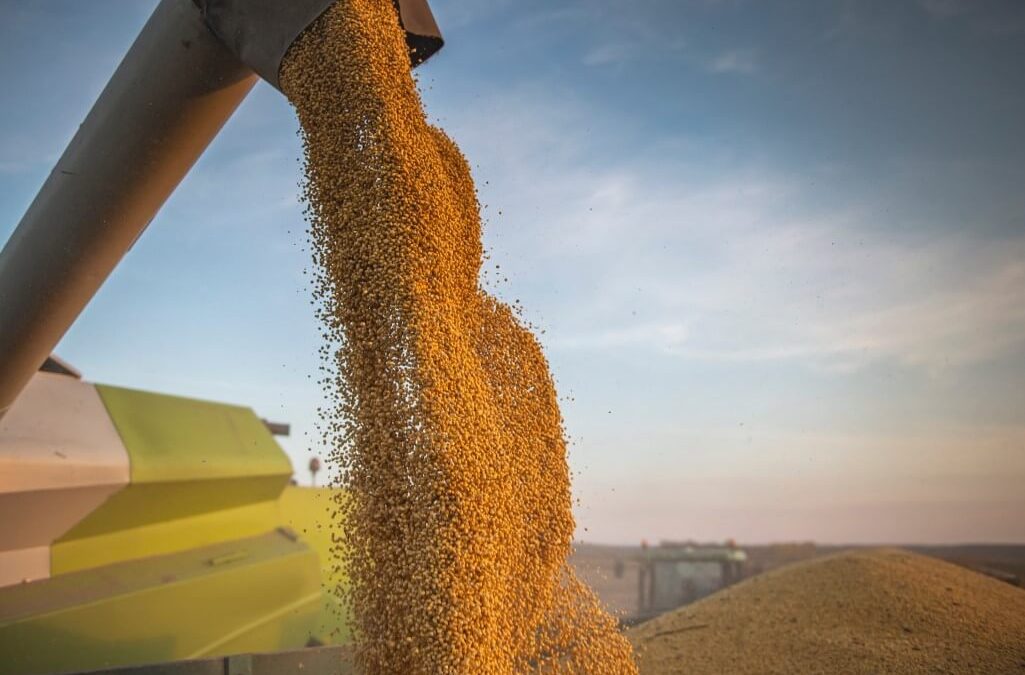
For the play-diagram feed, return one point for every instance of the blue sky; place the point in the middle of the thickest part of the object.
(777, 249)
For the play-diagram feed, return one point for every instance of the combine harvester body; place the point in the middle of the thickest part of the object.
(148, 527)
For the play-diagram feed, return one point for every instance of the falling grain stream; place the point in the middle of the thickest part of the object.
(457, 524)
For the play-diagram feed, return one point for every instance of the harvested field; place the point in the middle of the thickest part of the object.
(873, 611)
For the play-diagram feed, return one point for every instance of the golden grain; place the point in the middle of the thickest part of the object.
(445, 427)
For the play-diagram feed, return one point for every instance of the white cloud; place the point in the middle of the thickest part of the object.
(608, 54)
(677, 257)
(665, 337)
(737, 62)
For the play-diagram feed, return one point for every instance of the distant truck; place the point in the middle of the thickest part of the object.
(677, 573)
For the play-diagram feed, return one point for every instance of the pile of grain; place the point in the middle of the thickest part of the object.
(446, 427)
(883, 611)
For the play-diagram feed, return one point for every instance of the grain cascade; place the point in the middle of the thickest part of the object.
(445, 425)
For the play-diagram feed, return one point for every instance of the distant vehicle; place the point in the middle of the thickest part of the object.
(677, 573)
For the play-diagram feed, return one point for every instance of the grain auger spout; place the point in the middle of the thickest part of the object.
(186, 73)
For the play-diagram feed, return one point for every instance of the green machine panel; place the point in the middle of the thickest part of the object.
(256, 594)
(174, 439)
(200, 472)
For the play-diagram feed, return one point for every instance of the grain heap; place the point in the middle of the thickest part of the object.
(446, 427)
(877, 611)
